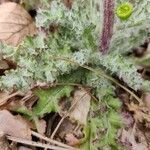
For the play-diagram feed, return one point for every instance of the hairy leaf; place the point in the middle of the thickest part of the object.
(49, 99)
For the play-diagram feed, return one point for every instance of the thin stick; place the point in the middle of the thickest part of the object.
(67, 83)
(114, 81)
(62, 119)
(51, 141)
(58, 125)
(3, 101)
(36, 144)
(99, 73)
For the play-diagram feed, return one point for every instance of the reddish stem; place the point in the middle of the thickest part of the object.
(108, 23)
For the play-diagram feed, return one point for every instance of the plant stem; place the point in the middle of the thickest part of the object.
(99, 73)
(108, 23)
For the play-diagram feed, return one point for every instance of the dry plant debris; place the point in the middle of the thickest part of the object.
(10, 125)
(72, 102)
(81, 102)
(15, 23)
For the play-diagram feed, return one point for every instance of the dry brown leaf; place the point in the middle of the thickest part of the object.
(15, 23)
(4, 96)
(41, 126)
(129, 136)
(14, 126)
(3, 65)
(4, 1)
(23, 148)
(82, 105)
(65, 128)
(29, 99)
(146, 99)
(141, 113)
(71, 139)
(4, 145)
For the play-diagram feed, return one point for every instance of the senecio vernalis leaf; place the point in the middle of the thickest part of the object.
(77, 37)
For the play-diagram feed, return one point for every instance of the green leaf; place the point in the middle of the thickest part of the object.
(88, 37)
(87, 145)
(114, 102)
(24, 111)
(49, 98)
(114, 118)
(110, 138)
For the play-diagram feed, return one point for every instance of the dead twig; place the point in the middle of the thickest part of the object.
(99, 73)
(36, 144)
(52, 141)
(3, 101)
(66, 115)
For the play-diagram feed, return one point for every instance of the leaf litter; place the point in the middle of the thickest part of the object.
(10, 125)
(15, 23)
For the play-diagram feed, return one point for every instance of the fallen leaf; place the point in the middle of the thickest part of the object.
(78, 137)
(41, 126)
(23, 148)
(71, 139)
(81, 102)
(4, 1)
(127, 119)
(146, 99)
(15, 23)
(65, 128)
(29, 100)
(141, 113)
(4, 96)
(14, 126)
(4, 145)
(128, 137)
(3, 65)
(72, 132)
